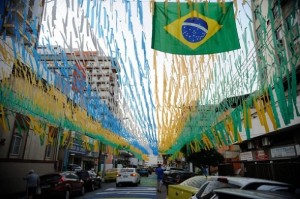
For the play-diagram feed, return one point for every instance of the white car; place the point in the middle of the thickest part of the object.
(216, 182)
(128, 176)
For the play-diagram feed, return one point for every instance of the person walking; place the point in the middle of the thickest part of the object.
(33, 182)
(160, 174)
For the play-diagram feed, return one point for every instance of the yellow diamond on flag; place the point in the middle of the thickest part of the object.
(193, 29)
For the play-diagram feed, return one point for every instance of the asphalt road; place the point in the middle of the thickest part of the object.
(145, 190)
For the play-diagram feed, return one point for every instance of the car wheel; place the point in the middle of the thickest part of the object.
(99, 185)
(67, 194)
(117, 185)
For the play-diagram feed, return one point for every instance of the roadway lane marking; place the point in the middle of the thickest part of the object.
(131, 188)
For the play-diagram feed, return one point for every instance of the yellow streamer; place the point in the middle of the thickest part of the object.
(3, 121)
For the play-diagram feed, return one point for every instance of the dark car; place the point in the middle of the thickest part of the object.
(62, 184)
(143, 172)
(169, 171)
(90, 178)
(176, 177)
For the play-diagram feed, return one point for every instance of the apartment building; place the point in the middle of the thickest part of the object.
(36, 116)
(273, 150)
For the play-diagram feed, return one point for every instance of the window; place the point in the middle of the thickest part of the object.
(16, 145)
(275, 10)
(256, 12)
(48, 151)
(260, 35)
(279, 36)
(20, 130)
(293, 33)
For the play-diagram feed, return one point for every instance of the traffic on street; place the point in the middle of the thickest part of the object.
(95, 104)
(146, 189)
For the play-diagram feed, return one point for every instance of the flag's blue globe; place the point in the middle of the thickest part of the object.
(194, 29)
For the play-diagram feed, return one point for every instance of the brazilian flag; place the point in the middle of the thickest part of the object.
(194, 28)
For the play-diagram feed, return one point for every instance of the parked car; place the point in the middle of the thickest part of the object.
(217, 182)
(143, 172)
(128, 175)
(176, 177)
(110, 174)
(91, 180)
(169, 171)
(150, 170)
(64, 184)
(229, 193)
(187, 188)
(74, 167)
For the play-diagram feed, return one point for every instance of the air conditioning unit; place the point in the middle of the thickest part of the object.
(266, 141)
(250, 145)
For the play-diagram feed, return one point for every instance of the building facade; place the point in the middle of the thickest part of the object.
(38, 119)
(272, 151)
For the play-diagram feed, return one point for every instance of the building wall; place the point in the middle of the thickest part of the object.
(6, 134)
(12, 173)
(14, 168)
(35, 150)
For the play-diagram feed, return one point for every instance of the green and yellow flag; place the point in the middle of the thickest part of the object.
(194, 28)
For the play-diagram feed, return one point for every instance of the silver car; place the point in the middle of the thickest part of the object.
(216, 182)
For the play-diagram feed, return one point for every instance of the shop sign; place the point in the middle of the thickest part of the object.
(261, 155)
(246, 156)
(287, 151)
(297, 149)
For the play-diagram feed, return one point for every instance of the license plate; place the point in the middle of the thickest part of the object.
(125, 176)
(45, 186)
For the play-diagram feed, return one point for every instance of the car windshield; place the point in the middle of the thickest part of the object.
(207, 192)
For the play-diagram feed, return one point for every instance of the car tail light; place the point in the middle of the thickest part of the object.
(133, 174)
(224, 180)
(61, 180)
(118, 175)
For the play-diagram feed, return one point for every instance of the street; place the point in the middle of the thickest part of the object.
(145, 190)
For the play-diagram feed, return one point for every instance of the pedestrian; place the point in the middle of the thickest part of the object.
(160, 174)
(33, 183)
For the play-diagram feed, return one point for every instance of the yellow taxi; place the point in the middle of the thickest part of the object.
(110, 174)
(187, 188)
(181, 192)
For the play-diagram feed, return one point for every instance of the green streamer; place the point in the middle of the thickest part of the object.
(281, 101)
